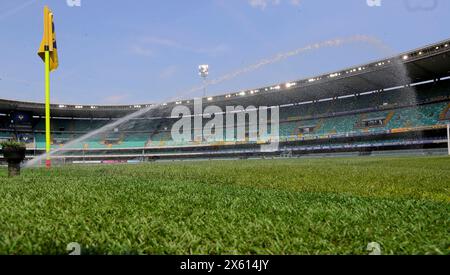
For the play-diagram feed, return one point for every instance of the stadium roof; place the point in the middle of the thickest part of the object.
(428, 63)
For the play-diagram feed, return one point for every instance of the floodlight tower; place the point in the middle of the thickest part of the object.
(203, 71)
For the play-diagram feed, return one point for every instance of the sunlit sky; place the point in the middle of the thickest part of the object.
(135, 51)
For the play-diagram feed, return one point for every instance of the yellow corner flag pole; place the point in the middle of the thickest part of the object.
(49, 54)
(47, 109)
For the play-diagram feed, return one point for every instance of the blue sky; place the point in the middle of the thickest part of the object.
(136, 51)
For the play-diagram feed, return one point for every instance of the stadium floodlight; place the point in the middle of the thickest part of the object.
(203, 71)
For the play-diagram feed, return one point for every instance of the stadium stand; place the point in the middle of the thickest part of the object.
(370, 109)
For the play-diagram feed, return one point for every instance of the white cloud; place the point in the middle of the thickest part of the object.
(160, 41)
(258, 3)
(17, 9)
(262, 4)
(115, 99)
(295, 2)
(141, 51)
(146, 45)
(214, 51)
(168, 72)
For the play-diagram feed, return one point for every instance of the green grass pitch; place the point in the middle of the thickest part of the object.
(296, 206)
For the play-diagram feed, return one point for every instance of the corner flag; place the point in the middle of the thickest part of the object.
(48, 51)
(49, 40)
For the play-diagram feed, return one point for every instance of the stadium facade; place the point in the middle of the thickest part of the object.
(398, 103)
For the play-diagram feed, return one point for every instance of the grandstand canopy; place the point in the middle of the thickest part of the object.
(427, 63)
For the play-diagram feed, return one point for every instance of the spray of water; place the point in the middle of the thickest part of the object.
(286, 55)
(277, 58)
